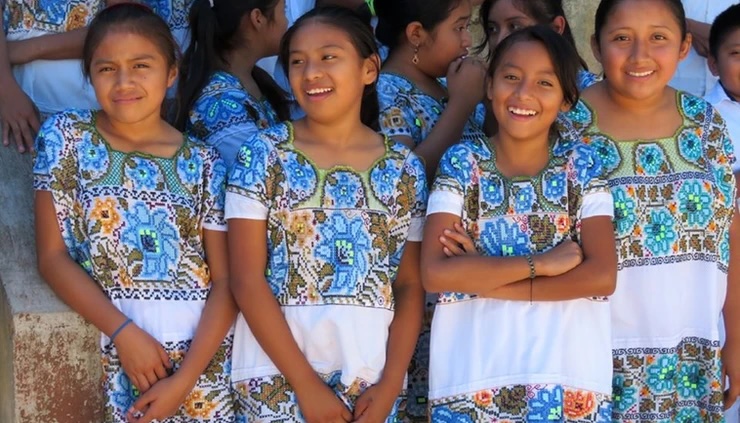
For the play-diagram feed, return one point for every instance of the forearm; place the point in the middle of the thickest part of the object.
(80, 292)
(218, 316)
(6, 74)
(731, 309)
(403, 332)
(473, 274)
(592, 278)
(67, 45)
(267, 322)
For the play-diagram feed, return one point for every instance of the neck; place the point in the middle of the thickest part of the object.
(140, 132)
(641, 107)
(338, 135)
(521, 157)
(401, 63)
(729, 94)
(241, 62)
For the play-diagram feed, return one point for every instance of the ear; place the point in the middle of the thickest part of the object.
(559, 24)
(596, 49)
(685, 47)
(172, 77)
(489, 87)
(256, 18)
(415, 33)
(565, 107)
(713, 65)
(370, 69)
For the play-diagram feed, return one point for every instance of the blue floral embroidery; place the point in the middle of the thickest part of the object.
(690, 145)
(586, 164)
(554, 186)
(48, 145)
(725, 185)
(692, 106)
(691, 382)
(524, 197)
(623, 396)
(249, 169)
(381, 178)
(457, 165)
(445, 415)
(190, 170)
(278, 266)
(348, 191)
(607, 152)
(689, 415)
(502, 239)
(624, 211)
(93, 157)
(605, 413)
(662, 374)
(660, 232)
(301, 174)
(547, 406)
(144, 174)
(695, 203)
(724, 249)
(345, 245)
(151, 233)
(651, 158)
(121, 396)
(493, 191)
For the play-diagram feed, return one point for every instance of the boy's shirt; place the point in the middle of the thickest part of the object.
(730, 111)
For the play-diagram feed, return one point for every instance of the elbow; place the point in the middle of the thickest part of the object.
(433, 276)
(606, 280)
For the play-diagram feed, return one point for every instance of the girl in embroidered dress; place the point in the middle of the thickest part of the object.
(131, 233)
(499, 18)
(325, 219)
(521, 328)
(224, 98)
(667, 157)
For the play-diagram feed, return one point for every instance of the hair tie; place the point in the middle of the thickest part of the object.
(211, 3)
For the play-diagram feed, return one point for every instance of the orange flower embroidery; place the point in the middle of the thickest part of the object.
(196, 405)
(105, 212)
(579, 404)
(301, 227)
(483, 398)
(77, 18)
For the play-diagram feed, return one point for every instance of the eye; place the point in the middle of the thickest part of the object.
(492, 29)
(295, 62)
(105, 69)
(141, 66)
(510, 77)
(515, 27)
(546, 83)
(660, 37)
(328, 57)
(621, 38)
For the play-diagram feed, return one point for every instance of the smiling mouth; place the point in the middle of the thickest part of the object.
(522, 112)
(318, 91)
(640, 74)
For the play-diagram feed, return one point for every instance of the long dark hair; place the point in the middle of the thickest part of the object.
(606, 7)
(541, 11)
(395, 15)
(360, 34)
(214, 33)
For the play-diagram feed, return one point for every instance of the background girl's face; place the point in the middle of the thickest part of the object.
(640, 47)
(503, 19)
(131, 76)
(277, 27)
(449, 40)
(525, 92)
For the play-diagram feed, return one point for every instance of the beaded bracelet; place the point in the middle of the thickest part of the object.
(532, 275)
(120, 328)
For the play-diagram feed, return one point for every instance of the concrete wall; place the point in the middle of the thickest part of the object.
(49, 363)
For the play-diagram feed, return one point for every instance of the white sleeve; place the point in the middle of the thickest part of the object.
(445, 202)
(600, 203)
(241, 207)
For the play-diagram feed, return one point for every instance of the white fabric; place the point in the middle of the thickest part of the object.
(555, 342)
(693, 74)
(332, 345)
(416, 229)
(241, 207)
(730, 112)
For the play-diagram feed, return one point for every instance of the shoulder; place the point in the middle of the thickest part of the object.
(693, 107)
(582, 160)
(390, 86)
(222, 89)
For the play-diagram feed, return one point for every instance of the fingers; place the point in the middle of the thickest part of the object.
(346, 414)
(140, 411)
(151, 377)
(165, 358)
(18, 134)
(6, 133)
(160, 372)
(141, 383)
(360, 406)
(451, 248)
(25, 140)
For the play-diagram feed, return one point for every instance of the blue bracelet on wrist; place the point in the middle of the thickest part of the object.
(120, 328)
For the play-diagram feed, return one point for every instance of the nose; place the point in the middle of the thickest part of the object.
(123, 77)
(467, 38)
(639, 50)
(524, 89)
(312, 69)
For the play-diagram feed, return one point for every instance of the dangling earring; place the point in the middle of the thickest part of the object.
(415, 59)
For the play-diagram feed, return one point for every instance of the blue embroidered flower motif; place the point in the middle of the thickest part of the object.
(586, 79)
(445, 415)
(492, 190)
(500, 238)
(120, 394)
(624, 211)
(382, 179)
(605, 413)
(144, 174)
(48, 146)
(607, 152)
(457, 164)
(554, 186)
(585, 164)
(662, 374)
(345, 245)
(692, 384)
(623, 396)
(547, 405)
(151, 233)
(689, 415)
(660, 232)
(249, 169)
(580, 113)
(93, 157)
(190, 169)
(346, 191)
(692, 106)
(689, 144)
(278, 266)
(301, 174)
(724, 184)
(54, 11)
(523, 197)
(651, 158)
(695, 203)
(218, 179)
(724, 249)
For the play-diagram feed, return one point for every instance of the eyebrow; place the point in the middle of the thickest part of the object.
(337, 46)
(134, 59)
(462, 18)
(513, 66)
(632, 29)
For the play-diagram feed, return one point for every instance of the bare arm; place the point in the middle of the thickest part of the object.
(248, 260)
(66, 45)
(475, 274)
(18, 116)
(699, 36)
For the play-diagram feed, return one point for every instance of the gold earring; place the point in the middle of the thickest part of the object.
(415, 59)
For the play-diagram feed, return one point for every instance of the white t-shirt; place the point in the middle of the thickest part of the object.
(730, 112)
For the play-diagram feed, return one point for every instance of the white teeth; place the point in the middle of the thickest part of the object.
(318, 91)
(523, 112)
(640, 74)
